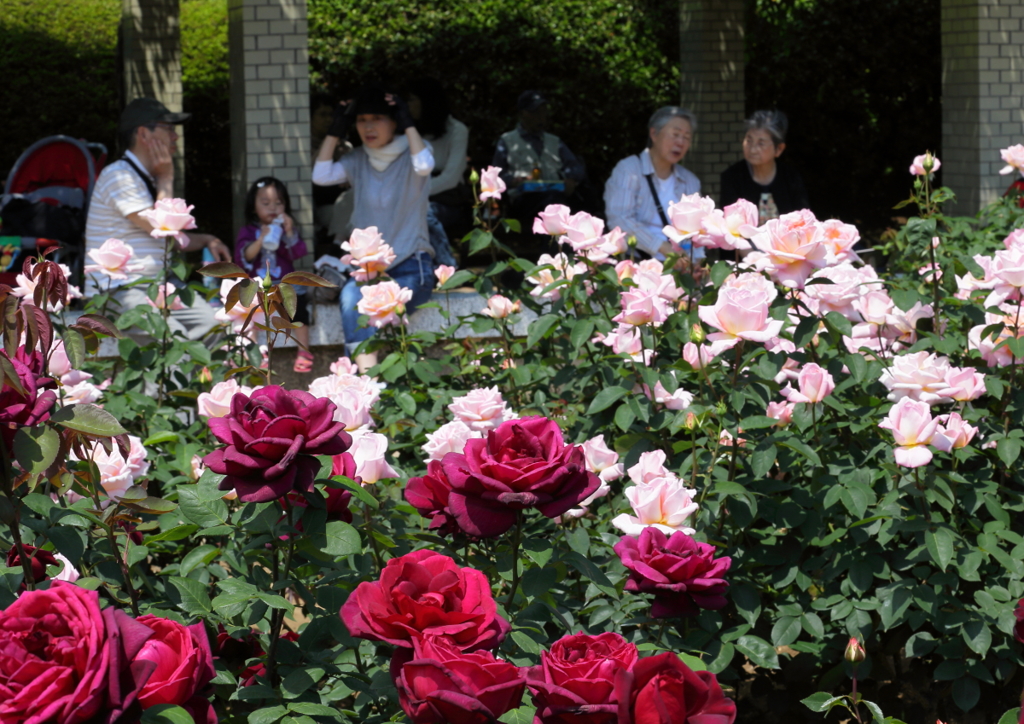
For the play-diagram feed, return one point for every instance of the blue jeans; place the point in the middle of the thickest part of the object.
(415, 273)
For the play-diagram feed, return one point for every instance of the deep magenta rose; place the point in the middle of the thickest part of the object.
(32, 407)
(522, 464)
(184, 667)
(426, 593)
(271, 438)
(429, 495)
(1018, 628)
(440, 684)
(40, 560)
(663, 690)
(682, 573)
(64, 661)
(575, 681)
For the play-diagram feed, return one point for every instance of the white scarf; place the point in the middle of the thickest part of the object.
(381, 158)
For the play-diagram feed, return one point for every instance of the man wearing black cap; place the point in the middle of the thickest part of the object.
(133, 184)
(529, 156)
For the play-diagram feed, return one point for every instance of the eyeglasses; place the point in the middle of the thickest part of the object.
(761, 145)
(166, 126)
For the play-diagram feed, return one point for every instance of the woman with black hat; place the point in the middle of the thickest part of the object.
(390, 177)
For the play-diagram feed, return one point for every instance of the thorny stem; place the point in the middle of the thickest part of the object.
(122, 562)
(516, 537)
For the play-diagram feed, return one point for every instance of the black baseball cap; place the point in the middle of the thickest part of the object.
(530, 100)
(146, 111)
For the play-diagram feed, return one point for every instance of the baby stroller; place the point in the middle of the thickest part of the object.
(46, 202)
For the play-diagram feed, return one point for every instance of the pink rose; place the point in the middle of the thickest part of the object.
(781, 411)
(697, 356)
(650, 468)
(840, 239)
(913, 428)
(64, 661)
(815, 384)
(491, 185)
(792, 248)
(952, 433)
(522, 464)
(424, 592)
(443, 274)
(919, 376)
(682, 573)
(69, 573)
(353, 396)
(26, 287)
(368, 253)
(184, 667)
(369, 450)
(642, 307)
(217, 402)
(678, 400)
(964, 384)
(553, 220)
(117, 472)
(849, 284)
(1014, 159)
(162, 293)
(601, 460)
(500, 307)
(926, 164)
(83, 392)
(731, 227)
(686, 217)
(170, 217)
(625, 269)
(665, 503)
(344, 367)
(115, 259)
(481, 409)
(626, 339)
(544, 278)
(450, 437)
(384, 303)
(740, 313)
(237, 315)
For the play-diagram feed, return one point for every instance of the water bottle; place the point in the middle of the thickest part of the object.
(273, 239)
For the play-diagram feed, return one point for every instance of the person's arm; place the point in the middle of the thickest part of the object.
(422, 158)
(327, 172)
(251, 247)
(622, 205)
(217, 247)
(162, 166)
(451, 174)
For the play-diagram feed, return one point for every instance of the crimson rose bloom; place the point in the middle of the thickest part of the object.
(63, 661)
(40, 560)
(575, 681)
(1018, 628)
(663, 690)
(23, 410)
(426, 593)
(522, 464)
(682, 573)
(184, 667)
(271, 438)
(429, 496)
(439, 684)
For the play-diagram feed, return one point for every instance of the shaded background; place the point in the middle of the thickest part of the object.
(860, 79)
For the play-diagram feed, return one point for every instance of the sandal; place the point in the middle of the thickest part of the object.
(303, 362)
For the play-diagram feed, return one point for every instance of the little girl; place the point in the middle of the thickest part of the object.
(267, 202)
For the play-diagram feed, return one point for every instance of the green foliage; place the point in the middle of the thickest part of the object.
(204, 47)
(606, 65)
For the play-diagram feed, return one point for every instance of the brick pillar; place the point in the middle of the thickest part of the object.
(982, 88)
(712, 64)
(269, 53)
(151, 52)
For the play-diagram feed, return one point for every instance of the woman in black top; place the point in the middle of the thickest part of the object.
(759, 178)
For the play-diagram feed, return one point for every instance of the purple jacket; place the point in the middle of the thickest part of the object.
(281, 262)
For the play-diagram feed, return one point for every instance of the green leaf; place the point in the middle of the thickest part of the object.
(526, 643)
(540, 327)
(582, 331)
(590, 571)
(821, 701)
(579, 540)
(841, 323)
(267, 715)
(204, 513)
(802, 448)
(786, 630)
(178, 532)
(1010, 717)
(166, 714)
(606, 398)
(342, 539)
(758, 651)
(406, 403)
(523, 715)
(1008, 450)
(940, 545)
(966, 692)
(538, 581)
(624, 417)
(196, 557)
(978, 636)
(458, 279)
(300, 680)
(35, 448)
(194, 599)
(538, 550)
(89, 419)
(358, 491)
(720, 271)
(763, 458)
(160, 437)
(311, 709)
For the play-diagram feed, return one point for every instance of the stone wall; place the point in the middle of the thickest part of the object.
(982, 95)
(270, 102)
(712, 69)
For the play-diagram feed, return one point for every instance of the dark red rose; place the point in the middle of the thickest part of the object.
(575, 681)
(271, 439)
(184, 667)
(64, 661)
(426, 593)
(522, 464)
(663, 690)
(32, 407)
(1018, 628)
(682, 573)
(40, 560)
(438, 683)
(429, 495)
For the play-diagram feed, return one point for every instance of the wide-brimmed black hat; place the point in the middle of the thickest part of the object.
(146, 111)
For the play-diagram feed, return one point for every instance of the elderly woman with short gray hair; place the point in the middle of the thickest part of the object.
(643, 185)
(774, 187)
